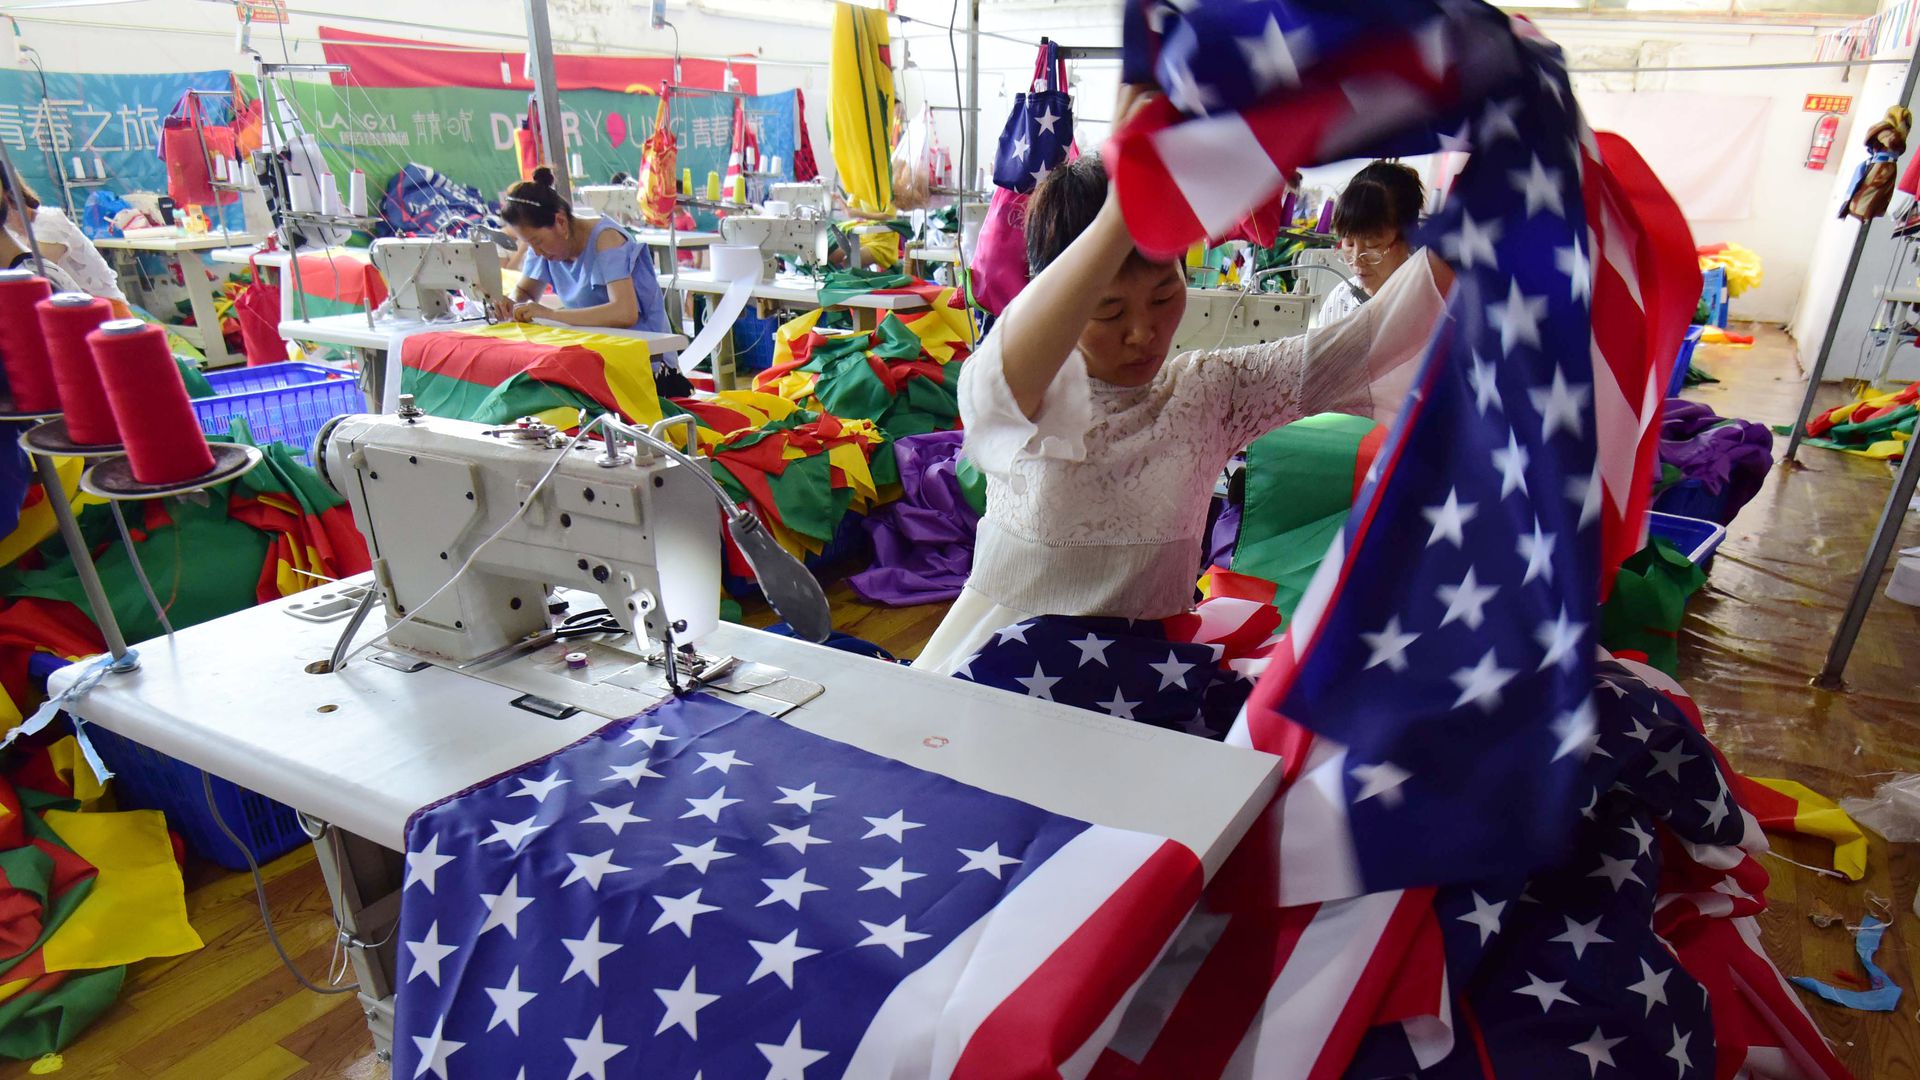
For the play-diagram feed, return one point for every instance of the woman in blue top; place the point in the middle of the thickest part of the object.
(602, 277)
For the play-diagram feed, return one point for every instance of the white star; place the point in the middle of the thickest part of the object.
(789, 1060)
(1576, 730)
(1173, 672)
(591, 868)
(894, 827)
(1383, 780)
(590, 1055)
(988, 859)
(1669, 761)
(1449, 518)
(1716, 809)
(1020, 148)
(804, 798)
(435, 1049)
(1541, 188)
(1466, 602)
(799, 839)
(709, 807)
(1572, 261)
(1538, 551)
(613, 817)
(1485, 916)
(1519, 318)
(1040, 173)
(1560, 405)
(1497, 120)
(587, 952)
(1486, 391)
(1640, 836)
(889, 878)
(724, 761)
(1481, 684)
(427, 954)
(1016, 632)
(1598, 1050)
(1460, 142)
(1546, 993)
(1040, 685)
(778, 957)
(679, 912)
(683, 1006)
(895, 936)
(1651, 986)
(424, 865)
(1582, 934)
(1473, 244)
(508, 1000)
(1047, 121)
(632, 774)
(1119, 708)
(650, 736)
(538, 790)
(699, 857)
(1188, 94)
(504, 908)
(1512, 461)
(789, 889)
(1587, 811)
(1616, 871)
(1640, 731)
(1586, 492)
(1679, 1052)
(513, 835)
(1092, 650)
(1389, 646)
(1270, 56)
(1561, 639)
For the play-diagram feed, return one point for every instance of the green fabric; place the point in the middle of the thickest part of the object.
(32, 1024)
(730, 610)
(1696, 376)
(973, 484)
(806, 499)
(283, 473)
(1649, 602)
(842, 285)
(458, 399)
(1299, 488)
(193, 377)
(849, 387)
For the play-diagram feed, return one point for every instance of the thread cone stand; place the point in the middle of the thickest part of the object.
(113, 478)
(97, 603)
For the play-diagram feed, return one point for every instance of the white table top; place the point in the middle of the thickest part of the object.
(791, 289)
(1901, 294)
(174, 244)
(684, 238)
(231, 696)
(351, 330)
(927, 254)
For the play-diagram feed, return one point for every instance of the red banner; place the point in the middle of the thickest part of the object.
(405, 63)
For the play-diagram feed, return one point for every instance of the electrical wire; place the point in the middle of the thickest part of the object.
(139, 571)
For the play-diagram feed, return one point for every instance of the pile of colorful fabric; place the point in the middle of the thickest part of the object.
(498, 374)
(1874, 425)
(803, 473)
(923, 542)
(1710, 466)
(903, 375)
(1742, 265)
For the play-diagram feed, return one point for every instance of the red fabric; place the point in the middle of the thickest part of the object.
(530, 143)
(188, 182)
(805, 168)
(1910, 178)
(490, 362)
(348, 280)
(258, 307)
(376, 63)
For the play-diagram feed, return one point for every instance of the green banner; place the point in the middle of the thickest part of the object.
(468, 134)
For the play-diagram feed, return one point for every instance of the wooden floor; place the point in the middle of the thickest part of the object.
(1752, 639)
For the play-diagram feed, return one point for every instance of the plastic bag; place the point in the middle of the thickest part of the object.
(913, 164)
(659, 157)
(97, 216)
(1893, 811)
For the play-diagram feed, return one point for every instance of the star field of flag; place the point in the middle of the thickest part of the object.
(700, 891)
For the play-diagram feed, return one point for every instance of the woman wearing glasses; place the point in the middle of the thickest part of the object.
(1373, 218)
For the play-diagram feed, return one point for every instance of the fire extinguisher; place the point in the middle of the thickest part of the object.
(1823, 132)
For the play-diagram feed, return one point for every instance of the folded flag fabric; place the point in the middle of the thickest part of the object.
(922, 542)
(802, 473)
(860, 107)
(704, 889)
(840, 286)
(314, 539)
(903, 375)
(497, 374)
(1792, 807)
(1875, 425)
(1649, 603)
(337, 281)
(1725, 459)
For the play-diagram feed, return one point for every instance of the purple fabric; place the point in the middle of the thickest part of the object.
(1728, 459)
(1223, 536)
(922, 544)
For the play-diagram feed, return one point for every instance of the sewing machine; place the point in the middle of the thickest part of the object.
(811, 197)
(1224, 318)
(801, 240)
(422, 273)
(615, 201)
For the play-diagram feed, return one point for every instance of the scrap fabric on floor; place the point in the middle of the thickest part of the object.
(1874, 425)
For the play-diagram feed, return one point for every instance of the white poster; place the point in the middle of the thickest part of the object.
(1704, 147)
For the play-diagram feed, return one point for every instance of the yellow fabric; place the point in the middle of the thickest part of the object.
(860, 107)
(1820, 816)
(36, 521)
(1713, 335)
(7, 990)
(942, 328)
(791, 331)
(138, 907)
(1742, 266)
(70, 765)
(628, 362)
(879, 248)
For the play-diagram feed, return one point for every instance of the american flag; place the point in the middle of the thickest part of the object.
(707, 891)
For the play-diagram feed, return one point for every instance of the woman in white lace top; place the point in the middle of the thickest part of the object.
(1100, 452)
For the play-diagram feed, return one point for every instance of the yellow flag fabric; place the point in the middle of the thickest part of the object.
(1816, 815)
(138, 907)
(860, 106)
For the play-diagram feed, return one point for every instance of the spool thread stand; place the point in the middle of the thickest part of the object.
(123, 660)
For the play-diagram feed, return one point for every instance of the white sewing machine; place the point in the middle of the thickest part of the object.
(1223, 318)
(810, 197)
(802, 241)
(423, 273)
(616, 201)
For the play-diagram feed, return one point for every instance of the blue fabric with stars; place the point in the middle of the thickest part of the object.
(1123, 668)
(1038, 131)
(1566, 973)
(702, 889)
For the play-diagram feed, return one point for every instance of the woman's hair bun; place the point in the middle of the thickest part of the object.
(543, 176)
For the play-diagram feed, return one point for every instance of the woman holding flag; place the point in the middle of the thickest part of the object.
(1100, 451)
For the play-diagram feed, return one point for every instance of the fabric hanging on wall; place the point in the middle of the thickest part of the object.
(860, 107)
(377, 61)
(1704, 147)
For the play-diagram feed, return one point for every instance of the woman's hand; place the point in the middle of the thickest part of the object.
(527, 311)
(1132, 98)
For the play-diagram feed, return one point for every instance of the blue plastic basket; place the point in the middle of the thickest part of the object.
(1698, 539)
(284, 403)
(1683, 361)
(146, 779)
(1713, 290)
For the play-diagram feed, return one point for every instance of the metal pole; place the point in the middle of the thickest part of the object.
(970, 120)
(271, 136)
(1885, 535)
(83, 562)
(546, 94)
(1846, 289)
